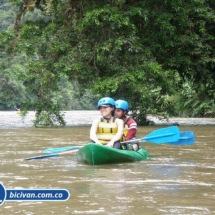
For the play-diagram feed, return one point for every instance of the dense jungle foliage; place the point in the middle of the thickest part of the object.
(66, 54)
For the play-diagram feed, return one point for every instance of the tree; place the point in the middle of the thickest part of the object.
(136, 50)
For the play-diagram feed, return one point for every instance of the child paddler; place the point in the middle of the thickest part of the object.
(107, 130)
(130, 125)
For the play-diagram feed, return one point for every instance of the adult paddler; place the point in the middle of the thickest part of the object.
(107, 130)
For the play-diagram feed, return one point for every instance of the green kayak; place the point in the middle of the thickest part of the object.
(96, 154)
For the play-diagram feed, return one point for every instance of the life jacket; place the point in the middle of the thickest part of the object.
(106, 130)
(125, 130)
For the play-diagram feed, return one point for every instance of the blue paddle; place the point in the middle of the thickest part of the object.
(162, 135)
(186, 138)
(159, 136)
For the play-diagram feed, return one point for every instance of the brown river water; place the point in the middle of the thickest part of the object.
(174, 180)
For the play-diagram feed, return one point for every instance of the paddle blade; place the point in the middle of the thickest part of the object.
(61, 149)
(163, 135)
(186, 138)
(42, 157)
(51, 155)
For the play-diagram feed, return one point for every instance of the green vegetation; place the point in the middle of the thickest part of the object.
(60, 55)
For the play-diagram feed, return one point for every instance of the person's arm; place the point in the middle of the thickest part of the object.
(132, 129)
(131, 134)
(118, 135)
(93, 131)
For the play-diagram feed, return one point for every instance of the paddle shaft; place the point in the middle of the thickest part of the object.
(61, 149)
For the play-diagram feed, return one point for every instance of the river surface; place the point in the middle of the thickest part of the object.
(174, 180)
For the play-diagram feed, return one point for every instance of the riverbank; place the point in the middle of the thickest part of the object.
(11, 119)
(183, 121)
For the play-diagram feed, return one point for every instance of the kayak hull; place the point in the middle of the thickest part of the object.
(97, 154)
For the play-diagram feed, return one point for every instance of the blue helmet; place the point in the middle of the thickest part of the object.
(122, 104)
(106, 101)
